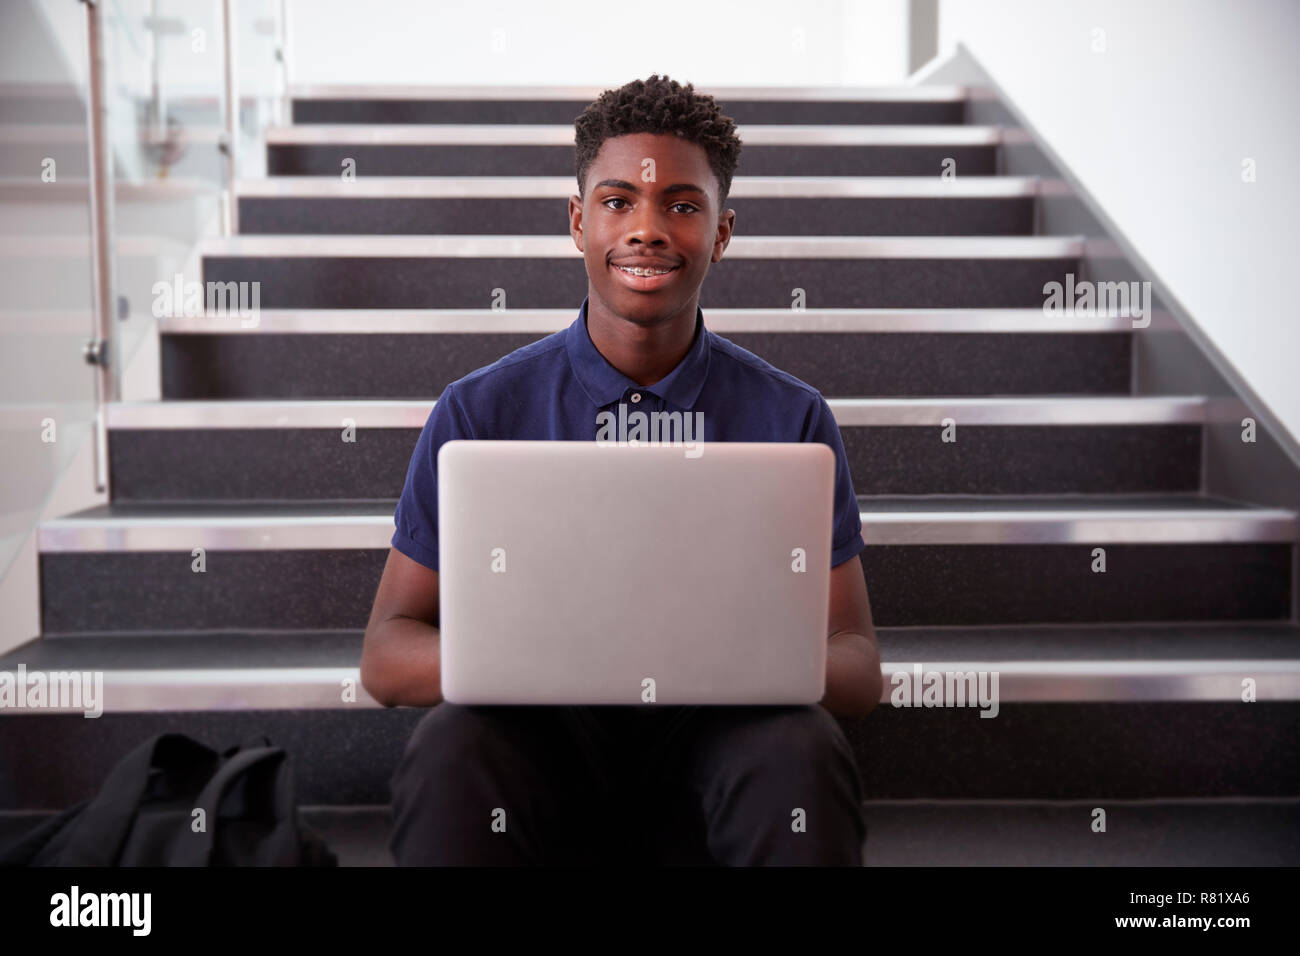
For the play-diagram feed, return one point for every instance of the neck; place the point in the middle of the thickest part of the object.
(643, 351)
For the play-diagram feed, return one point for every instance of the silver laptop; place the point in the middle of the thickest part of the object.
(577, 572)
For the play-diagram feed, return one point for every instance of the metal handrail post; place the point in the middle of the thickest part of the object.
(108, 385)
(231, 146)
(286, 63)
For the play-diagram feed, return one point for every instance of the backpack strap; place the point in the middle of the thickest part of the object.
(195, 849)
(100, 830)
(248, 743)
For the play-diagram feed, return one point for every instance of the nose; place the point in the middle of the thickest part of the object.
(645, 225)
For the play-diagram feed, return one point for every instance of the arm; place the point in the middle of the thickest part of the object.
(400, 661)
(853, 679)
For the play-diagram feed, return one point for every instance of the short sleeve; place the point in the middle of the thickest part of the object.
(846, 520)
(416, 518)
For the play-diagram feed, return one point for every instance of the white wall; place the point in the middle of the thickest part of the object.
(568, 42)
(1156, 127)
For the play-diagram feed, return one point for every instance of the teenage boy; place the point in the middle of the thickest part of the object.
(528, 784)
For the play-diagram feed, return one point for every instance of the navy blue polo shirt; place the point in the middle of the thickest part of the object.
(554, 388)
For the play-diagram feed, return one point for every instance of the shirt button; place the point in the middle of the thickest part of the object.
(636, 397)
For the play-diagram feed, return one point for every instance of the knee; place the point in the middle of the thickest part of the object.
(447, 737)
(445, 726)
(795, 743)
(772, 773)
(443, 790)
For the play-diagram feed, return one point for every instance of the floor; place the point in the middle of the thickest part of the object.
(1247, 832)
(1227, 832)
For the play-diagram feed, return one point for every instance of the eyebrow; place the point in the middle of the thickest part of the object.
(674, 188)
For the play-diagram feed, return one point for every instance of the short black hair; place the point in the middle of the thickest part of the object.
(658, 105)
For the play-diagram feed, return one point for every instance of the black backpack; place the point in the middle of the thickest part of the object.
(143, 814)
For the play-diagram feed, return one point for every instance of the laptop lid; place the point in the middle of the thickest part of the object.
(578, 572)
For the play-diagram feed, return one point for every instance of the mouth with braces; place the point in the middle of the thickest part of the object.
(646, 278)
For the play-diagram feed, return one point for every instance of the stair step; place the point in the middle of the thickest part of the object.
(560, 134)
(310, 272)
(336, 365)
(1084, 713)
(886, 520)
(547, 150)
(413, 353)
(725, 321)
(293, 450)
(1141, 750)
(1196, 832)
(767, 206)
(928, 561)
(1042, 519)
(562, 187)
(299, 669)
(1063, 410)
(549, 104)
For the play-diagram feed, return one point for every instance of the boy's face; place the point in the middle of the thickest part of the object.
(650, 200)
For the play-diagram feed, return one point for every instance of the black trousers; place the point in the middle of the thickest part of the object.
(654, 784)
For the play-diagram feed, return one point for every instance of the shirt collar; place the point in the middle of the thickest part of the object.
(605, 384)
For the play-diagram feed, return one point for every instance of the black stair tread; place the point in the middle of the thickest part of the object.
(199, 510)
(1231, 832)
(1201, 832)
(235, 650)
(1093, 642)
(230, 650)
(981, 503)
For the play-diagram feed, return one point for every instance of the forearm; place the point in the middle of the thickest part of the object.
(401, 663)
(853, 679)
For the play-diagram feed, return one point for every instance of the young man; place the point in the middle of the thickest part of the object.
(732, 785)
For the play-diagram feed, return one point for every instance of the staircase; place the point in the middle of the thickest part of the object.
(1119, 688)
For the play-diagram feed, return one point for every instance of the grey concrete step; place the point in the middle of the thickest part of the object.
(536, 205)
(295, 450)
(297, 669)
(353, 104)
(1083, 713)
(547, 150)
(415, 353)
(462, 272)
(929, 561)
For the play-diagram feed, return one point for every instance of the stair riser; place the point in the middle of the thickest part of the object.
(1029, 751)
(326, 159)
(315, 464)
(839, 365)
(803, 216)
(564, 112)
(416, 282)
(909, 585)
